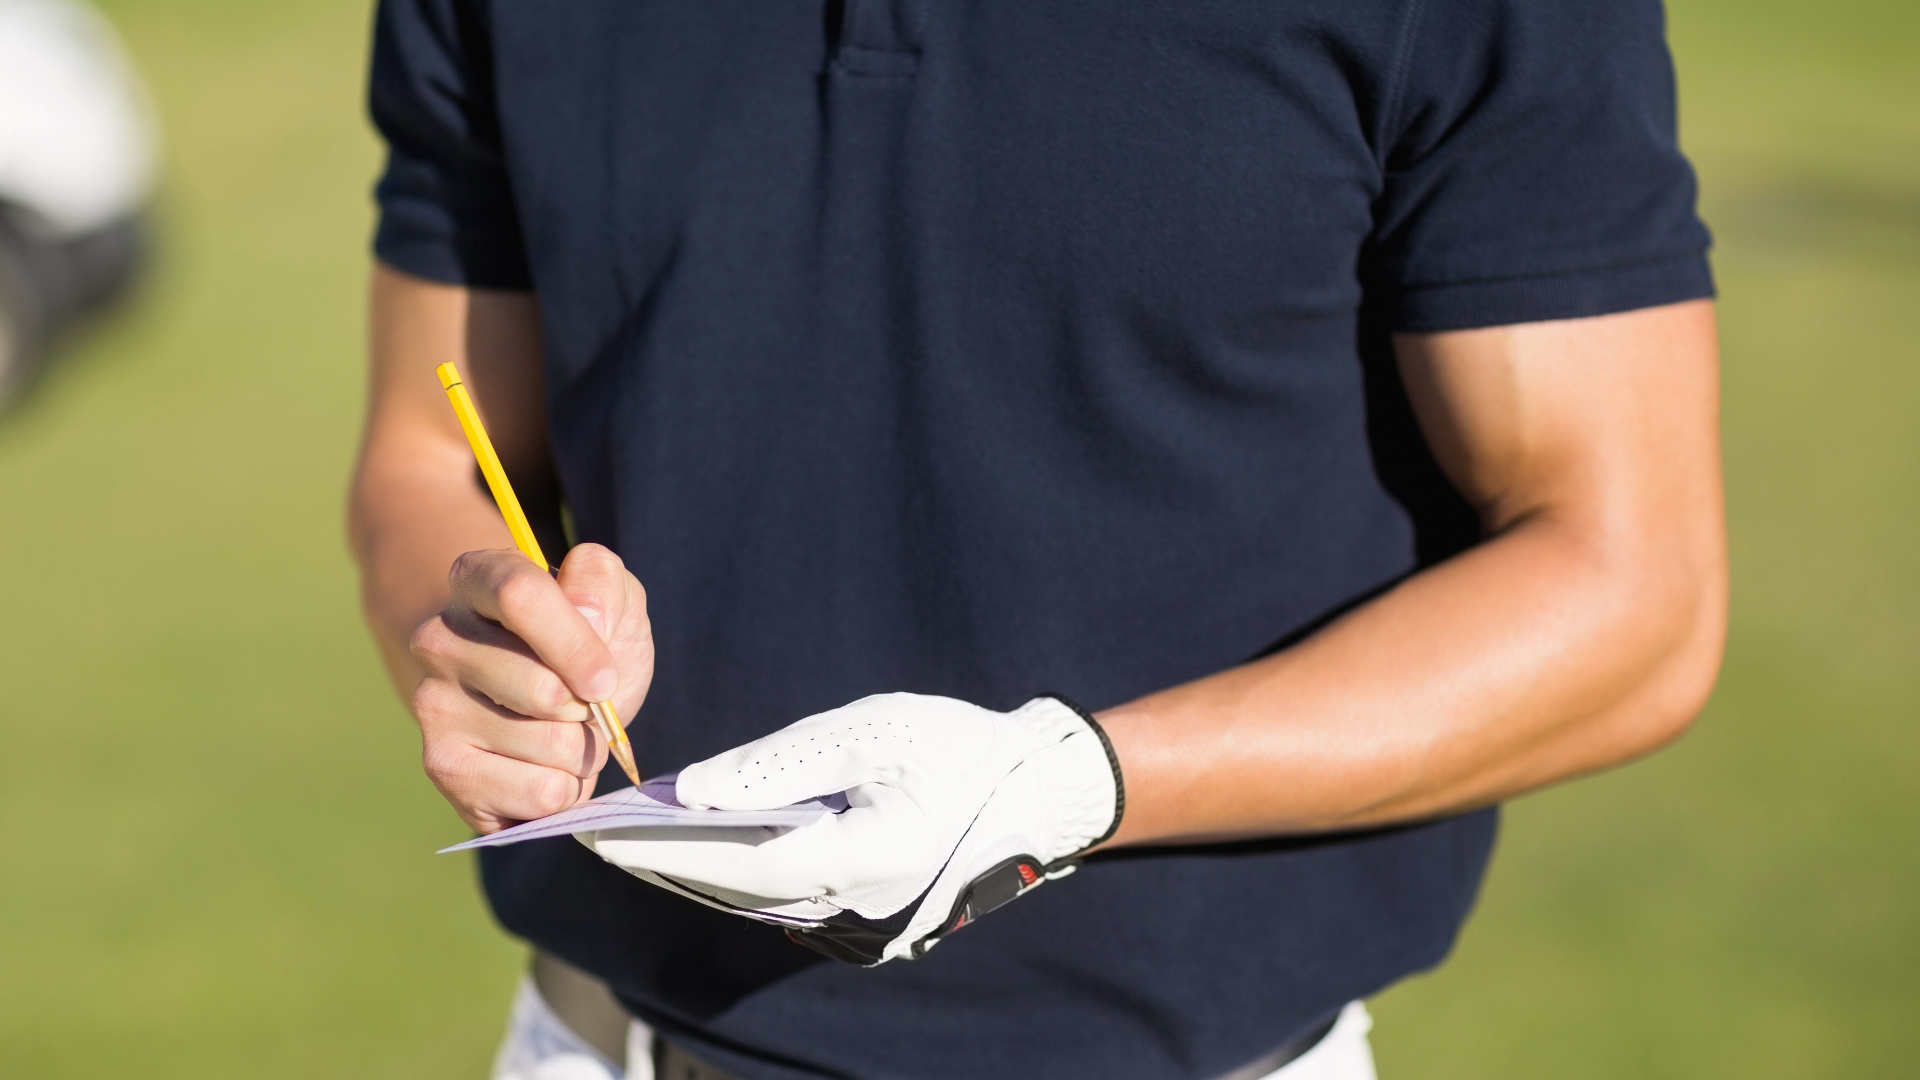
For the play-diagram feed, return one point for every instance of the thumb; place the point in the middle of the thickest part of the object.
(873, 740)
(594, 581)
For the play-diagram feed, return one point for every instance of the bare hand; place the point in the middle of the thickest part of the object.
(510, 665)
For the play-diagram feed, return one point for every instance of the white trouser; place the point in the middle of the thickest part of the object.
(539, 1046)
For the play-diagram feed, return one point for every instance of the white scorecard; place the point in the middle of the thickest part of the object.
(651, 804)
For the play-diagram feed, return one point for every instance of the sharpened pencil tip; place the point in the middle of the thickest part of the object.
(618, 746)
(623, 753)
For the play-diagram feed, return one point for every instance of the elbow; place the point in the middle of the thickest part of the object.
(359, 532)
(1685, 646)
(1681, 689)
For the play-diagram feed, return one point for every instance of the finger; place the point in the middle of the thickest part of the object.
(505, 587)
(887, 837)
(875, 739)
(707, 866)
(492, 792)
(577, 749)
(612, 601)
(595, 581)
(453, 713)
(496, 663)
(739, 865)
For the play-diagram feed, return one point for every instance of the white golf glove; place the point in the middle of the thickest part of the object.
(952, 811)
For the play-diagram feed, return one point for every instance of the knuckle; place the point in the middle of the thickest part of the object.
(445, 765)
(548, 694)
(553, 791)
(518, 592)
(433, 700)
(467, 566)
(428, 639)
(580, 651)
(565, 740)
(598, 558)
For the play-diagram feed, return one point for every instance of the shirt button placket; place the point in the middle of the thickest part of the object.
(877, 38)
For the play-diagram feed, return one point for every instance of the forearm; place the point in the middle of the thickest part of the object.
(1531, 659)
(413, 510)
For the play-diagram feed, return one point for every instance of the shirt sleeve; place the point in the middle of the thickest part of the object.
(1532, 170)
(445, 201)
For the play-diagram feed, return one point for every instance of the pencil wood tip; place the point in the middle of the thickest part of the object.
(623, 754)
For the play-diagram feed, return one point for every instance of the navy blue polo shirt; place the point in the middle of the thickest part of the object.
(993, 347)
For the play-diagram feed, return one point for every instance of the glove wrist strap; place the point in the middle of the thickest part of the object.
(1113, 762)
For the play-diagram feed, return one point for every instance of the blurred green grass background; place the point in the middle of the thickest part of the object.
(214, 854)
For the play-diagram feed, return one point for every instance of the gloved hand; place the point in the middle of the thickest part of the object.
(953, 810)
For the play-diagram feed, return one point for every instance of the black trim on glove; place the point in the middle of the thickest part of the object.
(994, 889)
(1113, 762)
(856, 940)
(853, 939)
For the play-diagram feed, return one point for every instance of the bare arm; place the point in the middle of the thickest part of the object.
(494, 655)
(414, 506)
(1585, 631)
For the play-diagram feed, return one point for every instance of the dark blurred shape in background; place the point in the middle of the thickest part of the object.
(76, 172)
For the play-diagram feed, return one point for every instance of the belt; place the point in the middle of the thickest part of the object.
(1284, 1056)
(672, 1063)
(584, 1004)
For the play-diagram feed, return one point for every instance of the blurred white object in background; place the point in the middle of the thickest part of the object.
(77, 151)
(75, 144)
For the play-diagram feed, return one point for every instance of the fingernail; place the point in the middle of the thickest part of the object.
(602, 685)
(594, 619)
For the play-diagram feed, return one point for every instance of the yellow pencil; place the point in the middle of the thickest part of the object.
(604, 713)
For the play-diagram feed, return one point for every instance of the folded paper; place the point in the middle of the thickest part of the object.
(651, 804)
